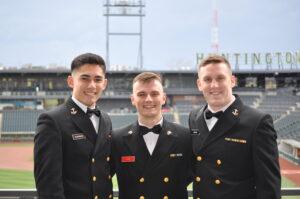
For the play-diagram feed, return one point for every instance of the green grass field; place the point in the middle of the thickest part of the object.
(16, 179)
(286, 183)
(11, 179)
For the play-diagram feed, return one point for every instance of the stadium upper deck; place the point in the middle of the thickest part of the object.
(45, 88)
(55, 79)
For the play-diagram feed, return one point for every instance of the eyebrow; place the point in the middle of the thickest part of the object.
(155, 91)
(87, 75)
(84, 75)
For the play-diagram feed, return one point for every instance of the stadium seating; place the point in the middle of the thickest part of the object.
(249, 99)
(18, 125)
(184, 119)
(116, 105)
(186, 106)
(288, 127)
(278, 103)
(120, 120)
(19, 120)
(282, 104)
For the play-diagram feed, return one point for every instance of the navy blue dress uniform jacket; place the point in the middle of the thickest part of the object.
(238, 158)
(164, 175)
(70, 160)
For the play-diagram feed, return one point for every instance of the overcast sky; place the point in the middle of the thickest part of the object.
(43, 32)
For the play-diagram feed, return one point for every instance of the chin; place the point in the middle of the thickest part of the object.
(90, 103)
(150, 115)
(214, 102)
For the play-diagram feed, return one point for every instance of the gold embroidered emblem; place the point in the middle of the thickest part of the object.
(241, 141)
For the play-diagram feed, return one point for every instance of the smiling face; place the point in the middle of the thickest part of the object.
(88, 82)
(148, 98)
(216, 81)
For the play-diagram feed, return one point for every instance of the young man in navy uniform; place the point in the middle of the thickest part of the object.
(72, 141)
(235, 148)
(152, 155)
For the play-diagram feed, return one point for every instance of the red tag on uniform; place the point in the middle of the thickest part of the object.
(128, 159)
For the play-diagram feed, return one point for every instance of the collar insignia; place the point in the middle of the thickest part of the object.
(235, 112)
(73, 111)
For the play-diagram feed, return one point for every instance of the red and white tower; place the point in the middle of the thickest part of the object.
(215, 28)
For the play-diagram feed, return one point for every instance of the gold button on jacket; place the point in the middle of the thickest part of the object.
(199, 158)
(166, 179)
(142, 179)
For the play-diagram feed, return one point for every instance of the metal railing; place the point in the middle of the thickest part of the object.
(31, 193)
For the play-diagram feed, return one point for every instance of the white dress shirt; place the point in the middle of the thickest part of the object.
(94, 119)
(212, 121)
(151, 138)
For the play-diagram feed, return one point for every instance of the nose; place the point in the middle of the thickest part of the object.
(92, 84)
(214, 83)
(148, 98)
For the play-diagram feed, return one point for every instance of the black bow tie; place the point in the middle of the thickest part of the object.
(95, 111)
(144, 130)
(209, 114)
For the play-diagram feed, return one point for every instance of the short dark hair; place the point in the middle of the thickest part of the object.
(214, 59)
(88, 58)
(145, 77)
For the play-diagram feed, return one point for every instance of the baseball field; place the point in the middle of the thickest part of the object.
(16, 168)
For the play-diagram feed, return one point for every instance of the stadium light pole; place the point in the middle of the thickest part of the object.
(121, 9)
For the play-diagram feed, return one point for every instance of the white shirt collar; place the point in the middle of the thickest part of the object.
(223, 108)
(160, 122)
(81, 105)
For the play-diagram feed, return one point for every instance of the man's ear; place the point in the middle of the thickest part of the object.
(132, 100)
(233, 81)
(164, 98)
(70, 81)
(105, 83)
(199, 85)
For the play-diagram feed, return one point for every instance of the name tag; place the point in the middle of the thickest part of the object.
(174, 155)
(195, 132)
(241, 141)
(128, 159)
(78, 136)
